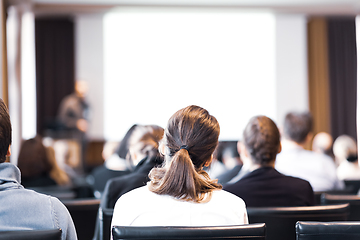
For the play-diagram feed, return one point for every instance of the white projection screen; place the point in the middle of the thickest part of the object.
(158, 60)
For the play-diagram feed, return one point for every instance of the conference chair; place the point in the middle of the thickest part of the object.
(105, 217)
(345, 230)
(346, 191)
(280, 221)
(352, 185)
(84, 214)
(49, 234)
(60, 192)
(353, 200)
(244, 232)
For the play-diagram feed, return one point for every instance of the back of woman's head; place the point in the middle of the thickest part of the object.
(144, 142)
(262, 139)
(345, 147)
(190, 139)
(33, 160)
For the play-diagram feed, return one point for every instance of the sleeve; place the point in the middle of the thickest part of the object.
(65, 222)
(67, 113)
(119, 215)
(332, 171)
(244, 215)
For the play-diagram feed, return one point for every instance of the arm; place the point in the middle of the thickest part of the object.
(65, 222)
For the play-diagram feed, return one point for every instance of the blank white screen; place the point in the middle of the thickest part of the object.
(158, 60)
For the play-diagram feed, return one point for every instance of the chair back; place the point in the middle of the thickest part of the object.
(346, 191)
(48, 234)
(352, 185)
(327, 230)
(353, 200)
(84, 214)
(244, 232)
(280, 221)
(105, 217)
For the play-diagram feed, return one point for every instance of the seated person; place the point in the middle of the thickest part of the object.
(294, 160)
(263, 186)
(142, 156)
(114, 165)
(345, 150)
(323, 143)
(23, 209)
(38, 165)
(229, 153)
(181, 193)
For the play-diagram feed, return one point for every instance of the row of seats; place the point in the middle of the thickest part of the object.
(305, 230)
(280, 221)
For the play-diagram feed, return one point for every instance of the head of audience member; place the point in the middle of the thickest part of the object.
(345, 149)
(261, 142)
(143, 143)
(322, 143)
(33, 160)
(123, 147)
(227, 153)
(5, 132)
(298, 127)
(190, 139)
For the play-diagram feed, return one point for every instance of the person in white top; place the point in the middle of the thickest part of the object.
(181, 193)
(318, 169)
(345, 151)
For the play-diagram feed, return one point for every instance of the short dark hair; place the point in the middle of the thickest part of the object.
(297, 126)
(261, 138)
(5, 131)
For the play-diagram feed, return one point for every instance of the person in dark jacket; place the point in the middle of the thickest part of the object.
(264, 186)
(142, 156)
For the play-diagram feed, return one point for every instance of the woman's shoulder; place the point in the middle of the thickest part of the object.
(227, 197)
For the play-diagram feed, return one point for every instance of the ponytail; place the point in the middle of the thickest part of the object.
(181, 180)
(190, 138)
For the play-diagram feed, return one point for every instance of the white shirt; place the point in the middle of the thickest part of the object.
(141, 207)
(316, 168)
(348, 171)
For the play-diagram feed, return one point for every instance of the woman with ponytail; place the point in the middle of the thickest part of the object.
(181, 193)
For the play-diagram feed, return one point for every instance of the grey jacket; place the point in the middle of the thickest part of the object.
(23, 209)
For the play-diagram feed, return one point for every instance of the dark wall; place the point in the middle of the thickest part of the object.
(342, 75)
(55, 70)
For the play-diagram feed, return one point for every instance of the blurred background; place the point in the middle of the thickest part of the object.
(144, 60)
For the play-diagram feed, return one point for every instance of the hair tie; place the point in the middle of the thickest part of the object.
(184, 147)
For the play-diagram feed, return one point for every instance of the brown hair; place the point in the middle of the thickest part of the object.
(297, 126)
(145, 141)
(261, 138)
(5, 131)
(190, 139)
(33, 159)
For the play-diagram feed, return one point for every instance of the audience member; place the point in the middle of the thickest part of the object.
(229, 153)
(24, 209)
(294, 160)
(180, 193)
(38, 165)
(263, 186)
(114, 165)
(323, 143)
(345, 150)
(142, 156)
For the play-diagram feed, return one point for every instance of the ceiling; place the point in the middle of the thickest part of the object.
(310, 7)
